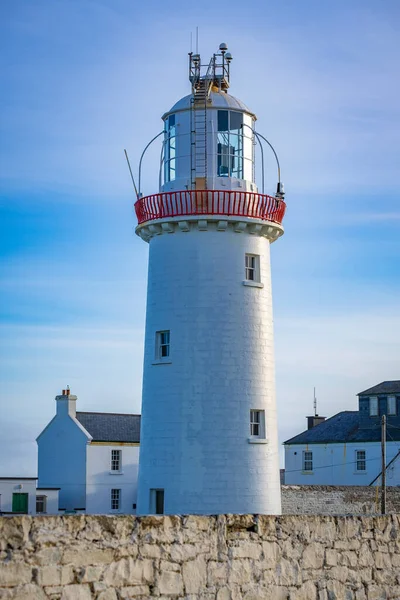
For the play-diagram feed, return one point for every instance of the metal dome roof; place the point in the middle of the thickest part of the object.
(218, 100)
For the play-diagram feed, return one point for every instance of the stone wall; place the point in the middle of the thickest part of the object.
(336, 500)
(200, 558)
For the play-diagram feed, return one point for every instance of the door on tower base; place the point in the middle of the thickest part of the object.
(157, 502)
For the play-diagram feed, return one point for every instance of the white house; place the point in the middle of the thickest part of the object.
(346, 449)
(92, 457)
(20, 495)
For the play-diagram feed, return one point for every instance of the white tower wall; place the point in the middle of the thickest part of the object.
(196, 409)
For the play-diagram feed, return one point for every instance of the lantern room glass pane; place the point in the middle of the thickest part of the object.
(236, 121)
(223, 120)
(230, 144)
(169, 149)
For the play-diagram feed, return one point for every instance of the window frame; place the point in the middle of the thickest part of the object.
(115, 499)
(308, 460)
(257, 424)
(361, 461)
(230, 157)
(252, 270)
(41, 498)
(160, 345)
(390, 412)
(170, 149)
(375, 403)
(116, 462)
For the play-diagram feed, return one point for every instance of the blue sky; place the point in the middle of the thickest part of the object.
(81, 80)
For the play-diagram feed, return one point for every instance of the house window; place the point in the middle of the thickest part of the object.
(257, 423)
(391, 405)
(162, 345)
(373, 406)
(230, 144)
(252, 267)
(116, 460)
(157, 502)
(41, 502)
(115, 499)
(307, 460)
(360, 460)
(170, 149)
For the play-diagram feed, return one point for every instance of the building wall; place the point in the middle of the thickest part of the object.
(101, 480)
(10, 486)
(196, 410)
(334, 464)
(62, 461)
(51, 500)
(202, 558)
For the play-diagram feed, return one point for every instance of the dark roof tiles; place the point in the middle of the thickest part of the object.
(344, 428)
(386, 387)
(111, 427)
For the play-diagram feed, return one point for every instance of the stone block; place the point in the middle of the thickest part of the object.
(239, 571)
(50, 575)
(128, 571)
(109, 594)
(151, 551)
(76, 592)
(271, 553)
(313, 556)
(181, 552)
(337, 573)
(217, 572)
(307, 591)
(170, 583)
(81, 556)
(382, 561)
(246, 550)
(29, 591)
(375, 592)
(47, 556)
(194, 574)
(224, 594)
(133, 591)
(288, 573)
(12, 574)
(331, 557)
(365, 558)
(166, 565)
(91, 574)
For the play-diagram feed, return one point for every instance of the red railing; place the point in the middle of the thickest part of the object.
(210, 202)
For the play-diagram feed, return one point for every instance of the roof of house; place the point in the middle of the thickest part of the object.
(343, 427)
(386, 387)
(20, 478)
(111, 427)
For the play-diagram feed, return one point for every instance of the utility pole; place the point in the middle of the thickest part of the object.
(383, 448)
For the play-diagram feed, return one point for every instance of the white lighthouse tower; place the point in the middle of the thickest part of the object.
(209, 428)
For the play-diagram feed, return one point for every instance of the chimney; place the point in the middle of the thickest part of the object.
(66, 404)
(314, 420)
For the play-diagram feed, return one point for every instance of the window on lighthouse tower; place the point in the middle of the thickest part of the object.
(252, 267)
(162, 345)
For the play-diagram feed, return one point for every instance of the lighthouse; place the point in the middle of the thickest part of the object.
(209, 441)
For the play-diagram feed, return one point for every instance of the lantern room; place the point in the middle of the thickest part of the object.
(208, 144)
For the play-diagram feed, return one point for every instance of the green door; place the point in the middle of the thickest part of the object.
(20, 503)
